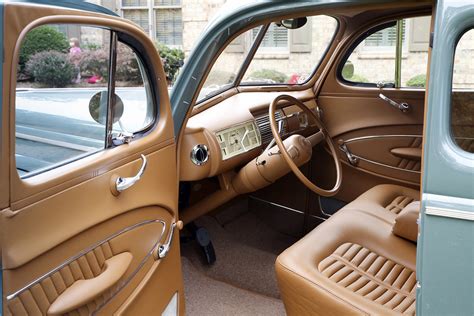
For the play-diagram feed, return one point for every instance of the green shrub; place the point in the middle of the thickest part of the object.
(269, 74)
(172, 58)
(51, 69)
(42, 38)
(93, 62)
(127, 66)
(418, 81)
(348, 70)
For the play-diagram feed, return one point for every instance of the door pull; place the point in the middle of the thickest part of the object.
(121, 184)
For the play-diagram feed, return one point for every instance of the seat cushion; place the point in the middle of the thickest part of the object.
(385, 201)
(352, 264)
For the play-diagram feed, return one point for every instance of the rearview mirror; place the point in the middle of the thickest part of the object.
(98, 108)
(295, 23)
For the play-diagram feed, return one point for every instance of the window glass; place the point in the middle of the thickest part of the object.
(290, 56)
(462, 107)
(373, 61)
(133, 89)
(227, 65)
(415, 52)
(61, 67)
(62, 95)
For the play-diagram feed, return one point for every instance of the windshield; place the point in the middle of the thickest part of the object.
(227, 65)
(280, 56)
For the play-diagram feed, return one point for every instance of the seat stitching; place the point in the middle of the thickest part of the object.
(372, 278)
(319, 286)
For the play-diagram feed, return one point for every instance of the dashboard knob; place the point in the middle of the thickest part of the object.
(200, 154)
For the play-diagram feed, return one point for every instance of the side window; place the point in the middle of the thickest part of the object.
(462, 107)
(289, 56)
(62, 95)
(374, 60)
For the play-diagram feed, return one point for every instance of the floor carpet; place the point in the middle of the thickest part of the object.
(242, 281)
(207, 296)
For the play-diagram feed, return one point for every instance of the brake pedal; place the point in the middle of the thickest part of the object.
(204, 240)
(201, 235)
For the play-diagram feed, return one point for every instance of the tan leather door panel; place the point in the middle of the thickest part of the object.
(385, 142)
(70, 244)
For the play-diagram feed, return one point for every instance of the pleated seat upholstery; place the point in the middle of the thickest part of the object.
(353, 264)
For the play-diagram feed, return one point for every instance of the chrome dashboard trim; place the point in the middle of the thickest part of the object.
(194, 152)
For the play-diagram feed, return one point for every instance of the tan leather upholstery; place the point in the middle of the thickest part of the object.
(406, 223)
(384, 201)
(353, 263)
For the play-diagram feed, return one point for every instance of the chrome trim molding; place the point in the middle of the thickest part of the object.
(356, 139)
(384, 165)
(362, 138)
(450, 213)
(285, 207)
(91, 248)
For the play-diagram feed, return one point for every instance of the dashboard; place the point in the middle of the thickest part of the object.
(238, 139)
(232, 133)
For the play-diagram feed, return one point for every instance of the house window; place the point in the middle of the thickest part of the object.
(374, 61)
(161, 19)
(276, 38)
(386, 38)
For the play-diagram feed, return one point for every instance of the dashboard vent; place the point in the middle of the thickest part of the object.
(263, 124)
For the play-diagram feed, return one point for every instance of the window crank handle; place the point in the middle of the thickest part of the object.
(404, 107)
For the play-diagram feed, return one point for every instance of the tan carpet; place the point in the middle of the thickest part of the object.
(206, 296)
(246, 252)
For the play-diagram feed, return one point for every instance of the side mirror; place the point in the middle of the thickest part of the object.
(98, 108)
(295, 23)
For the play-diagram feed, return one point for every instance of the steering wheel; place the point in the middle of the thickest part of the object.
(314, 139)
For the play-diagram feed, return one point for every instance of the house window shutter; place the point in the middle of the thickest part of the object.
(138, 16)
(275, 37)
(169, 26)
(419, 34)
(301, 39)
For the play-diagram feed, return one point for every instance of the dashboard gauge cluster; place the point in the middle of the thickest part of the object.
(238, 139)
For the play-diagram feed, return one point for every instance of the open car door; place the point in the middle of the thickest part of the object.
(89, 185)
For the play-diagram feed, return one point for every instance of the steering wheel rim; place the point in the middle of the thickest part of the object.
(274, 127)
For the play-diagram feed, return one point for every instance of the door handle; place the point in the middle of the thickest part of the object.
(404, 107)
(82, 292)
(122, 184)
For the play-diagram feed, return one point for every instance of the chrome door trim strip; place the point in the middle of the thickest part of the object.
(384, 165)
(450, 213)
(356, 139)
(87, 250)
(361, 138)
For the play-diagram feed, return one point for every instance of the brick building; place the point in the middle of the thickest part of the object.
(179, 23)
